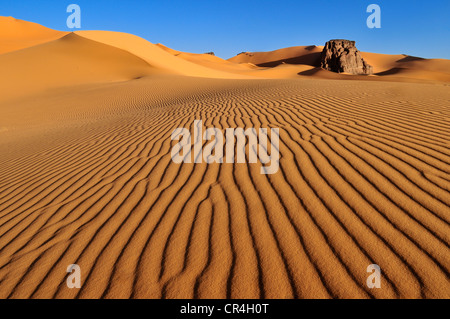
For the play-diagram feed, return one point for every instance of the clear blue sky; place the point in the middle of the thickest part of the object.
(227, 27)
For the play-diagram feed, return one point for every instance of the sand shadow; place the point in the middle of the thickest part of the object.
(312, 59)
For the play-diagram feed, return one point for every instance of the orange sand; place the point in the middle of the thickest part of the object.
(86, 175)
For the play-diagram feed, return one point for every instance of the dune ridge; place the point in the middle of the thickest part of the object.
(69, 61)
(154, 55)
(309, 55)
(18, 34)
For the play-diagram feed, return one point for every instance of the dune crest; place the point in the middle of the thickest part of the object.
(309, 55)
(69, 61)
(18, 34)
(154, 55)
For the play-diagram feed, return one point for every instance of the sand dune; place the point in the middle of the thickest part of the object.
(18, 34)
(279, 71)
(414, 73)
(86, 177)
(211, 61)
(309, 55)
(385, 62)
(71, 60)
(154, 55)
(386, 67)
(409, 67)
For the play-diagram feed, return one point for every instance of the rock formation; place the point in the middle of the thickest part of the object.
(343, 56)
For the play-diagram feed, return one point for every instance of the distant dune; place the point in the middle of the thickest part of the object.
(86, 175)
(309, 55)
(386, 67)
(211, 61)
(153, 54)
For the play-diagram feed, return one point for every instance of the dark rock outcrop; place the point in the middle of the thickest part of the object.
(210, 53)
(343, 56)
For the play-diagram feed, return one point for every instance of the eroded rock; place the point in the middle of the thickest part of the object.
(342, 56)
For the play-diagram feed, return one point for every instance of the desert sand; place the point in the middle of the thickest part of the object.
(86, 175)
(19, 34)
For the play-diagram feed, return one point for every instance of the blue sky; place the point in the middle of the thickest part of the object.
(227, 27)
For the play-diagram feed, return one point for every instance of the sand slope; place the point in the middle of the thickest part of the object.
(279, 69)
(18, 34)
(409, 67)
(365, 178)
(71, 60)
(154, 55)
(309, 55)
(211, 61)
